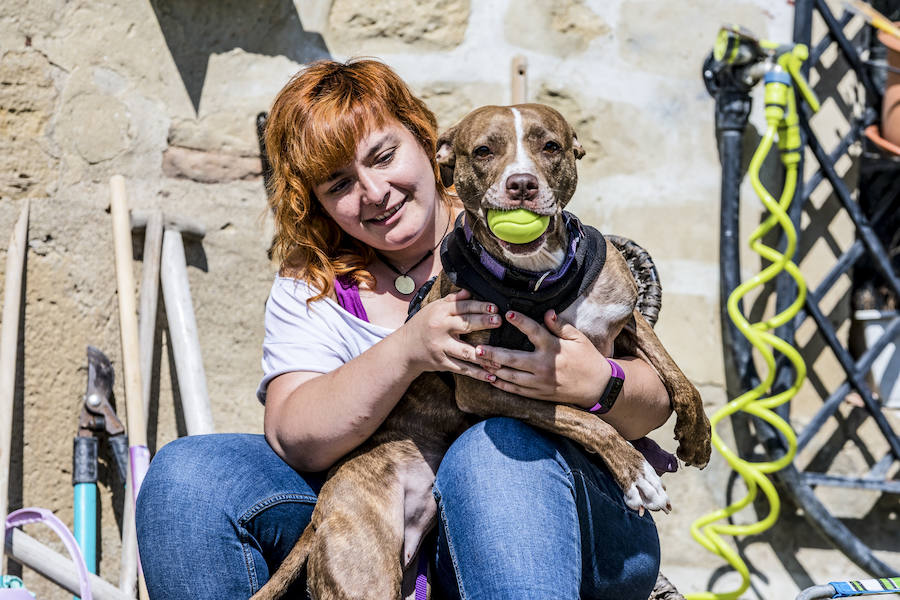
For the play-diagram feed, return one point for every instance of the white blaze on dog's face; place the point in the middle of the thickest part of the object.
(516, 157)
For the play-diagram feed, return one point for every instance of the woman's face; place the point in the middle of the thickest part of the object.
(386, 196)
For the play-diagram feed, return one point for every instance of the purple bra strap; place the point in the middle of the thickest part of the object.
(348, 297)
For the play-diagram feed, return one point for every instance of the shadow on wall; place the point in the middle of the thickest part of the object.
(196, 29)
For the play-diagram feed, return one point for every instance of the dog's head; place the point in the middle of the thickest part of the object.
(512, 157)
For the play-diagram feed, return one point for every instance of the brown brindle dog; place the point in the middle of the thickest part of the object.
(376, 505)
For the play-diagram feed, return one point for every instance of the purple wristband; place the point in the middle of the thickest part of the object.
(608, 398)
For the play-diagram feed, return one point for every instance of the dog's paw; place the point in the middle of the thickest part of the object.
(647, 492)
(693, 435)
(694, 455)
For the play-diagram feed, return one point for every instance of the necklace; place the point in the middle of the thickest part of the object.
(405, 284)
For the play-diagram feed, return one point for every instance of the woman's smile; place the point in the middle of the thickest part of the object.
(385, 217)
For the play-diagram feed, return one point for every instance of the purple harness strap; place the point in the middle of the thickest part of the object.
(499, 270)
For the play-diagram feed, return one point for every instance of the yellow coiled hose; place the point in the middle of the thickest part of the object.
(782, 120)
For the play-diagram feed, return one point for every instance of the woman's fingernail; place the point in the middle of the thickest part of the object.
(494, 320)
(479, 351)
(491, 308)
(510, 315)
(553, 316)
(492, 378)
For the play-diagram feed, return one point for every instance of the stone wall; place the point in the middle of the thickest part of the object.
(165, 92)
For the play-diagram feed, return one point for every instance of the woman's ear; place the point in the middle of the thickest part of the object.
(446, 156)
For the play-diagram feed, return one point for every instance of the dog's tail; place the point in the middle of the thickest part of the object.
(290, 568)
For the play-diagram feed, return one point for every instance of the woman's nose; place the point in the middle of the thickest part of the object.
(375, 189)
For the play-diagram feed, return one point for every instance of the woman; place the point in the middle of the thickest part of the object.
(523, 514)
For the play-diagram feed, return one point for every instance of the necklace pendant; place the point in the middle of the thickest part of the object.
(405, 285)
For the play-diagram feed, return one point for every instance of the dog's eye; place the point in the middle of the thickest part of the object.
(552, 147)
(481, 152)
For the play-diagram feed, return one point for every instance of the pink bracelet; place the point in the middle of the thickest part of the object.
(613, 387)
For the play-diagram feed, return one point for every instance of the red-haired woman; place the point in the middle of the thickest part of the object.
(357, 199)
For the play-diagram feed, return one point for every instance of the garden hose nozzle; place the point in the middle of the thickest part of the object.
(737, 46)
(738, 50)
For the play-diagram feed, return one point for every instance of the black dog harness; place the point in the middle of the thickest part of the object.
(469, 266)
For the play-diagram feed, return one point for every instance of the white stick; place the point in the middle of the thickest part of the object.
(519, 81)
(183, 336)
(147, 333)
(9, 348)
(149, 299)
(128, 564)
(137, 429)
(56, 567)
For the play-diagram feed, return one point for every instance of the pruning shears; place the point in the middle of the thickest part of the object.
(97, 419)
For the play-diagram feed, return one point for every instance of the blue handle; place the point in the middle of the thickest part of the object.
(86, 523)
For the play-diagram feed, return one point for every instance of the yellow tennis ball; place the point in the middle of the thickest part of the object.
(517, 226)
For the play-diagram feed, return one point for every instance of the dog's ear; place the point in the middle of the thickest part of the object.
(446, 156)
(577, 148)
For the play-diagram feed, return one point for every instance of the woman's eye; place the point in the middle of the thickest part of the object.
(481, 152)
(552, 147)
(338, 187)
(385, 158)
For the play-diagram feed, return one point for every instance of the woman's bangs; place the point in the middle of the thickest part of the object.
(331, 136)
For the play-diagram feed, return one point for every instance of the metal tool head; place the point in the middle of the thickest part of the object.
(98, 413)
(101, 377)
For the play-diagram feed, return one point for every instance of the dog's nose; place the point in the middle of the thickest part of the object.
(521, 186)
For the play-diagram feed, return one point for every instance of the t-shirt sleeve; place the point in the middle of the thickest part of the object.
(299, 336)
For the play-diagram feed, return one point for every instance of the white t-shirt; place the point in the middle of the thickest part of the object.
(318, 337)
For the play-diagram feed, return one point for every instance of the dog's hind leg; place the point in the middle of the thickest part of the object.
(358, 560)
(359, 532)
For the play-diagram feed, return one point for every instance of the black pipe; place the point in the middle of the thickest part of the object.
(733, 105)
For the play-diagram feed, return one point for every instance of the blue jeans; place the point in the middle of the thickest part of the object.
(523, 514)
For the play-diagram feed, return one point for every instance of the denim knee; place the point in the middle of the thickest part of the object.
(184, 465)
(224, 470)
(219, 504)
(489, 452)
(500, 438)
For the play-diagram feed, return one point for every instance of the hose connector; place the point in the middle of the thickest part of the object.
(778, 87)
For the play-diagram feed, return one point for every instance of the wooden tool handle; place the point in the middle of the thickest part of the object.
(519, 80)
(9, 347)
(128, 325)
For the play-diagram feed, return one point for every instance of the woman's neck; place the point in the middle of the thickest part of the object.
(428, 242)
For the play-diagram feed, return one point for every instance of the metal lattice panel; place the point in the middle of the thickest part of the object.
(847, 212)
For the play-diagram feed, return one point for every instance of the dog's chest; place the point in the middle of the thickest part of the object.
(601, 321)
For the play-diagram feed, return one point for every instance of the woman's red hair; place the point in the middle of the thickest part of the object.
(312, 130)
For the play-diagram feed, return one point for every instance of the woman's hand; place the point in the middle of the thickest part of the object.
(432, 335)
(564, 367)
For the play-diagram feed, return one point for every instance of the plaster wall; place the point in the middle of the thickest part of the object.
(166, 92)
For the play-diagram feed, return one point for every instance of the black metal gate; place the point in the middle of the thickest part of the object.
(865, 270)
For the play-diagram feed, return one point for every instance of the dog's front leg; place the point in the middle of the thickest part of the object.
(639, 482)
(692, 428)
